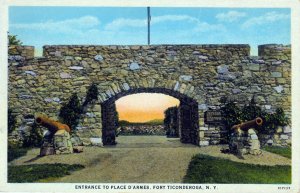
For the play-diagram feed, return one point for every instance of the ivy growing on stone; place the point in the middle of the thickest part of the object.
(70, 112)
(91, 95)
(35, 137)
(233, 115)
(251, 111)
(273, 120)
(11, 121)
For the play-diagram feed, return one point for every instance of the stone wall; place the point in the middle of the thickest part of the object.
(142, 130)
(204, 73)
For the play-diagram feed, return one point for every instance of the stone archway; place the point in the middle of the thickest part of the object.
(188, 115)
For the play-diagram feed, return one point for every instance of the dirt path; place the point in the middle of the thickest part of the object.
(148, 159)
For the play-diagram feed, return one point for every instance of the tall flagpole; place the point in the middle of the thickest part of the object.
(149, 19)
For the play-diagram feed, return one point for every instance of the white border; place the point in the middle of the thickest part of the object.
(69, 187)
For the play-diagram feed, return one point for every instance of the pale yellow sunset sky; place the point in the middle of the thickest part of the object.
(144, 107)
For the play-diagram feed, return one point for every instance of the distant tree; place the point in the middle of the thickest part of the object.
(13, 40)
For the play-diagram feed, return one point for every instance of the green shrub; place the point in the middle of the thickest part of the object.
(235, 115)
(251, 111)
(272, 120)
(12, 40)
(70, 112)
(232, 114)
(35, 137)
(11, 121)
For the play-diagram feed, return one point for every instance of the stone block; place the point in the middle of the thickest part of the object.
(251, 131)
(201, 134)
(276, 74)
(253, 136)
(236, 91)
(278, 89)
(202, 107)
(222, 69)
(98, 58)
(97, 108)
(254, 67)
(30, 73)
(185, 77)
(284, 137)
(203, 128)
(96, 141)
(268, 107)
(75, 67)
(65, 75)
(204, 143)
(279, 129)
(126, 86)
(62, 142)
(254, 144)
(281, 80)
(134, 66)
(287, 129)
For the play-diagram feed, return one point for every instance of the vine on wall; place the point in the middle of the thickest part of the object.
(233, 115)
(71, 112)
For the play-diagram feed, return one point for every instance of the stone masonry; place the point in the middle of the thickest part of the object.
(203, 73)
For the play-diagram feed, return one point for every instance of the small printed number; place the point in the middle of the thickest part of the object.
(284, 188)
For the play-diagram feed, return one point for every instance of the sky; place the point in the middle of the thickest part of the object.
(144, 107)
(38, 26)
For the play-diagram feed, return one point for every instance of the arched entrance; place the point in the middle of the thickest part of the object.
(188, 115)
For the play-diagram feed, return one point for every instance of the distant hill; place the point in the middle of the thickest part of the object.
(151, 122)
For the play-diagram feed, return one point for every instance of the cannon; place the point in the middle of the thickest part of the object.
(51, 125)
(248, 124)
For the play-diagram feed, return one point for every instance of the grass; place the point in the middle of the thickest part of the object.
(207, 169)
(40, 172)
(283, 151)
(14, 153)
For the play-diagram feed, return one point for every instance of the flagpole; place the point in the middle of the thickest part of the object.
(149, 19)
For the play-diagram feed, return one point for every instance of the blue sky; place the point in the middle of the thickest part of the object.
(40, 26)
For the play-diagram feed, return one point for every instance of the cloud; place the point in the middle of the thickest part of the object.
(230, 16)
(66, 26)
(170, 18)
(125, 22)
(205, 27)
(87, 30)
(200, 26)
(269, 17)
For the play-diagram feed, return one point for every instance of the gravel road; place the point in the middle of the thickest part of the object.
(137, 159)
